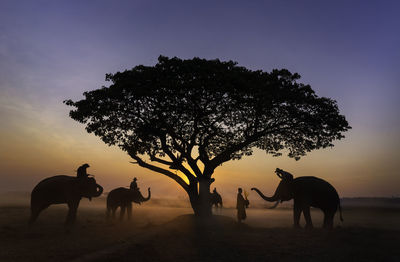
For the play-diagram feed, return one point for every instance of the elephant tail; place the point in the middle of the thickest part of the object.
(340, 212)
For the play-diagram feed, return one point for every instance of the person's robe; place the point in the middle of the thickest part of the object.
(241, 205)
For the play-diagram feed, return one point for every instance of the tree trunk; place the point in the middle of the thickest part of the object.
(200, 198)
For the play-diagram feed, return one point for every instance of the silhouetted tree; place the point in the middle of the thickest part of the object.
(194, 115)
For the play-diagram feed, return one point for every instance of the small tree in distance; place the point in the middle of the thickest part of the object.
(194, 115)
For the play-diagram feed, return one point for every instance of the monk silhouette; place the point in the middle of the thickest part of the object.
(241, 206)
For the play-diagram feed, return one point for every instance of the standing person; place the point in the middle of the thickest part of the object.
(241, 206)
(133, 185)
(81, 171)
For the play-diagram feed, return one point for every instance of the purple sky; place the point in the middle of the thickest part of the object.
(347, 50)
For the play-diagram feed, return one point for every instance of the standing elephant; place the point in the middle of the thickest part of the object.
(62, 190)
(306, 192)
(216, 199)
(123, 198)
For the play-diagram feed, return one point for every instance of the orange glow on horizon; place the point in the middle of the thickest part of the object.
(46, 146)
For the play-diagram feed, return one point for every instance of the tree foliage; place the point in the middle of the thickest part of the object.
(186, 111)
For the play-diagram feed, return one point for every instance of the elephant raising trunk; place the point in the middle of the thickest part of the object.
(283, 191)
(123, 198)
(62, 190)
(306, 192)
(274, 198)
(139, 198)
(270, 199)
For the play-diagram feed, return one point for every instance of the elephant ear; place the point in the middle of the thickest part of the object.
(84, 186)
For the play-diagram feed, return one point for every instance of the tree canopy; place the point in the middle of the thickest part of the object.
(193, 115)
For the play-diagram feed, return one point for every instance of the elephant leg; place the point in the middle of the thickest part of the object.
(108, 211)
(122, 212)
(129, 211)
(71, 217)
(307, 217)
(35, 211)
(296, 215)
(325, 218)
(328, 219)
(34, 215)
(113, 210)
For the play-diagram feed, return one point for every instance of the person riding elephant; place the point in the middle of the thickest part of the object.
(81, 171)
(133, 185)
(62, 189)
(216, 199)
(306, 192)
(123, 198)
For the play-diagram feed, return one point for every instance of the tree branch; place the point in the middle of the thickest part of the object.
(226, 155)
(161, 161)
(166, 150)
(160, 170)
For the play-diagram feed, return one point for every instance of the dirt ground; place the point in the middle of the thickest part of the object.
(169, 234)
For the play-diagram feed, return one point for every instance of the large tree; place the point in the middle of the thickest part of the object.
(193, 115)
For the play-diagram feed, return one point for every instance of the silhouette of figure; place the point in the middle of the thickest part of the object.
(122, 197)
(62, 189)
(306, 192)
(241, 206)
(81, 171)
(216, 199)
(133, 185)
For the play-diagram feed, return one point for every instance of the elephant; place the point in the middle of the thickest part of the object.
(306, 192)
(62, 189)
(123, 198)
(216, 199)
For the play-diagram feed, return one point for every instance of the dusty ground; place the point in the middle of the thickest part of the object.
(167, 234)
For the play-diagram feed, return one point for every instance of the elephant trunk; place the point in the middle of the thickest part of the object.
(148, 196)
(270, 199)
(99, 190)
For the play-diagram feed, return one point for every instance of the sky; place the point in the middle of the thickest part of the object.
(51, 51)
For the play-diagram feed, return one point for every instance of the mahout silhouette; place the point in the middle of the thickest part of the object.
(194, 115)
(306, 192)
(133, 185)
(81, 171)
(123, 197)
(216, 199)
(62, 189)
